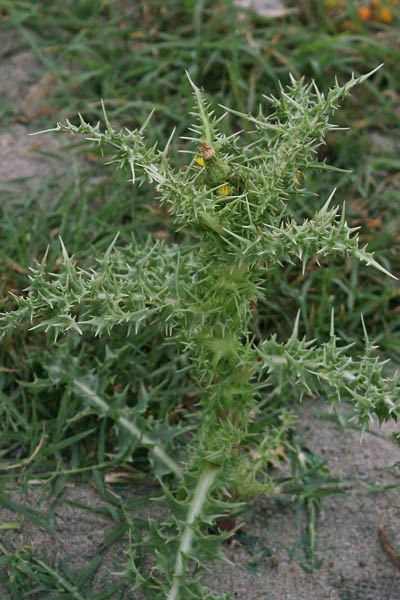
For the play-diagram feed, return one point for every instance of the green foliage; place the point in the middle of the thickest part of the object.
(301, 365)
(236, 57)
(233, 202)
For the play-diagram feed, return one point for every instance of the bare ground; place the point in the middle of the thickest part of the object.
(268, 553)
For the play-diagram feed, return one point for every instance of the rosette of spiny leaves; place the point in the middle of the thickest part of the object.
(233, 201)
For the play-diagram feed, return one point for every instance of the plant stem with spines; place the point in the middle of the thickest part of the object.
(202, 489)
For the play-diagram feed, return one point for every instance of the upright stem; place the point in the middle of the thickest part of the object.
(204, 484)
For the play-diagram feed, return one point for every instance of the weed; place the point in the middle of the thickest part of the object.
(138, 62)
(233, 202)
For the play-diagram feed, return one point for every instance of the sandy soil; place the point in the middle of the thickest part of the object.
(268, 553)
(24, 85)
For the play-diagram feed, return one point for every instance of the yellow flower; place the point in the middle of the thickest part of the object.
(200, 161)
(385, 15)
(225, 190)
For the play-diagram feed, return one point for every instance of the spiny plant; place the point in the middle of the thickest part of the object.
(233, 204)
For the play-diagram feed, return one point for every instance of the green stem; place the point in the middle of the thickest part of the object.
(204, 484)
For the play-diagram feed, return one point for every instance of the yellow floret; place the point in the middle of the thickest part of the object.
(200, 161)
(225, 190)
(385, 15)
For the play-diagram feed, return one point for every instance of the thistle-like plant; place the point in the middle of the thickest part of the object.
(233, 203)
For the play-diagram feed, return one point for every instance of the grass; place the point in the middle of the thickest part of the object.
(139, 65)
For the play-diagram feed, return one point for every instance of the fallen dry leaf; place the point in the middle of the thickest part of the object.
(33, 106)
